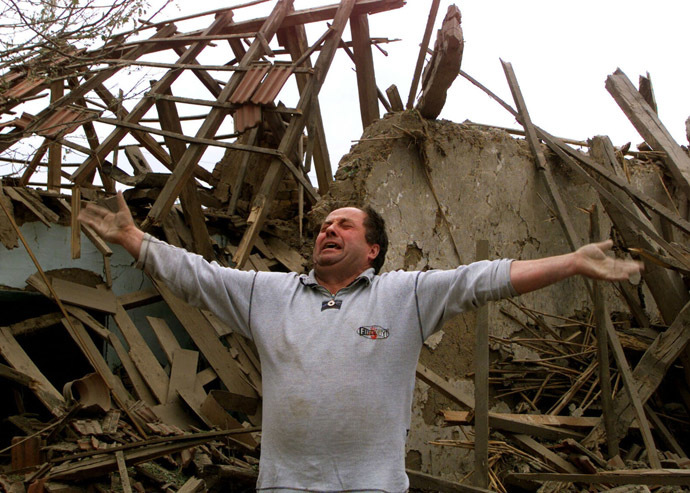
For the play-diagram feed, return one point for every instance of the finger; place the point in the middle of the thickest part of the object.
(121, 203)
(604, 246)
(96, 210)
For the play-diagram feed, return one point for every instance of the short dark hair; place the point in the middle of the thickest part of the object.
(375, 227)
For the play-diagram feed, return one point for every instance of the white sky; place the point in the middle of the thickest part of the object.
(561, 53)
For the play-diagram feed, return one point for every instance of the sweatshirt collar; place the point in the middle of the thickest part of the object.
(310, 279)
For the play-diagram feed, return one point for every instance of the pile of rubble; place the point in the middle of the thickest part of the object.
(117, 384)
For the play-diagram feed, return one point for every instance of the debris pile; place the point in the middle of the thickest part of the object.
(115, 383)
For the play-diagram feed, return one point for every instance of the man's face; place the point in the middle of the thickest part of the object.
(341, 246)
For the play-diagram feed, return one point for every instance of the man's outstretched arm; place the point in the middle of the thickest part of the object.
(115, 227)
(590, 261)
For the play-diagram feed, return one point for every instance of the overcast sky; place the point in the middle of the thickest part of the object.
(561, 53)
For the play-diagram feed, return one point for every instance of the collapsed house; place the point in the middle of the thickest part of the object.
(113, 382)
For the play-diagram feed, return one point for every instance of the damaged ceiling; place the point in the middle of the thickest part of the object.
(159, 395)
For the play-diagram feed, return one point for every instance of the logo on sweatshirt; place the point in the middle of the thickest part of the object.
(373, 332)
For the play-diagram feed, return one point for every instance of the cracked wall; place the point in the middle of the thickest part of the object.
(442, 186)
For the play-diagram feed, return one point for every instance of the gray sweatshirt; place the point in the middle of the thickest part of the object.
(338, 371)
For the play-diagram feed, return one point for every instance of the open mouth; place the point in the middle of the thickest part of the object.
(331, 246)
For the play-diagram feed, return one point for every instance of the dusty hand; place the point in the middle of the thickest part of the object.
(115, 227)
(593, 262)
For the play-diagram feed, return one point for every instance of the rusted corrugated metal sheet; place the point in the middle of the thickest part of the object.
(249, 83)
(247, 116)
(272, 84)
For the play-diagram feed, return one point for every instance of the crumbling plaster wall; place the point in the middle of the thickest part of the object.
(488, 187)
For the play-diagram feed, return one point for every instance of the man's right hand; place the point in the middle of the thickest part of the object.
(114, 227)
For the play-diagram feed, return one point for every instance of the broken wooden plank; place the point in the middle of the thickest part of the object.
(364, 68)
(542, 165)
(394, 98)
(78, 333)
(286, 255)
(142, 356)
(85, 296)
(679, 477)
(182, 373)
(36, 323)
(8, 235)
(464, 417)
(549, 457)
(20, 361)
(207, 342)
(250, 138)
(166, 339)
(137, 160)
(667, 288)
(141, 390)
(122, 470)
(427, 482)
(15, 195)
(647, 123)
(136, 299)
(442, 385)
(443, 67)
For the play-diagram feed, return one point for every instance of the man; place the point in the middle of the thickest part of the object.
(339, 347)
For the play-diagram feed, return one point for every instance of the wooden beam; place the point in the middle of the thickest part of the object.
(433, 11)
(549, 457)
(364, 67)
(542, 165)
(17, 358)
(79, 335)
(679, 477)
(667, 288)
(192, 155)
(647, 123)
(630, 385)
(250, 138)
(191, 207)
(75, 224)
(443, 386)
(649, 372)
(145, 104)
(600, 315)
(394, 98)
(554, 143)
(444, 66)
(481, 386)
(295, 41)
(288, 143)
(57, 90)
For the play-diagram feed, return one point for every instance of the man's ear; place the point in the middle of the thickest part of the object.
(373, 252)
